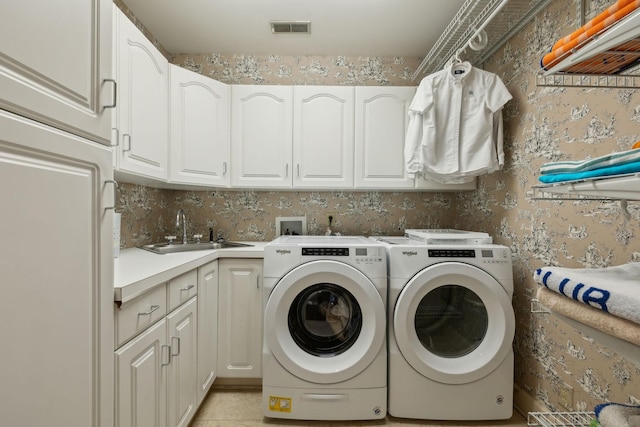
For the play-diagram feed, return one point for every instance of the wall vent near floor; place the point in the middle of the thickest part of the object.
(300, 27)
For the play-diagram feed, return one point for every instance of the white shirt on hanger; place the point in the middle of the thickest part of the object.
(453, 127)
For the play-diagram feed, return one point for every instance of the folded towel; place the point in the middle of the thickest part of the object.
(615, 290)
(604, 322)
(611, 10)
(617, 415)
(627, 168)
(571, 166)
(566, 48)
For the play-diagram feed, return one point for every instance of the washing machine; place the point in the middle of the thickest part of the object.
(324, 348)
(451, 327)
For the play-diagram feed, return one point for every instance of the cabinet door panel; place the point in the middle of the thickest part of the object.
(63, 87)
(143, 112)
(240, 319)
(207, 327)
(323, 137)
(57, 295)
(141, 379)
(261, 120)
(200, 140)
(182, 329)
(381, 123)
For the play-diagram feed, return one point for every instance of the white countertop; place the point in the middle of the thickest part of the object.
(137, 270)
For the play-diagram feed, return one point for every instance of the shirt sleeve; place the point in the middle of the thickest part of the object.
(497, 93)
(423, 97)
(413, 144)
(422, 101)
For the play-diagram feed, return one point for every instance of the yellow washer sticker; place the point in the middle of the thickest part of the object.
(279, 404)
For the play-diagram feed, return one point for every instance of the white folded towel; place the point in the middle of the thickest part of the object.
(618, 415)
(615, 290)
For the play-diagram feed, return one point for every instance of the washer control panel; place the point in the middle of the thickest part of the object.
(358, 254)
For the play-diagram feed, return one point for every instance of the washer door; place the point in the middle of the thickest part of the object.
(453, 323)
(325, 322)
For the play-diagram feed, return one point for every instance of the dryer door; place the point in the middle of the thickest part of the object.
(453, 323)
(325, 321)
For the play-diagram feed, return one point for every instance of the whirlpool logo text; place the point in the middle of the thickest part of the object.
(283, 251)
(409, 253)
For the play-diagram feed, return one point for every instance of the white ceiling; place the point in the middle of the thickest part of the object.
(338, 27)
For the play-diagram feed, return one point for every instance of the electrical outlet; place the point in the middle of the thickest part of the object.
(331, 219)
(565, 395)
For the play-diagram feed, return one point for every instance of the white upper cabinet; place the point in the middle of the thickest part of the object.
(381, 120)
(199, 135)
(261, 132)
(55, 64)
(291, 136)
(323, 136)
(143, 103)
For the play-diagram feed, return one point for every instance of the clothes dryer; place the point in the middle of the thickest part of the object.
(451, 328)
(324, 348)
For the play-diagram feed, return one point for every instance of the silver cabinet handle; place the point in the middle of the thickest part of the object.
(151, 310)
(126, 135)
(115, 195)
(115, 93)
(298, 170)
(286, 170)
(224, 168)
(187, 288)
(178, 346)
(168, 354)
(258, 282)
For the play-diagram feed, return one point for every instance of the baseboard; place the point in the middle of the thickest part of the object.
(238, 383)
(524, 403)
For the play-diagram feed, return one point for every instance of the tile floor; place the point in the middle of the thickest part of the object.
(243, 408)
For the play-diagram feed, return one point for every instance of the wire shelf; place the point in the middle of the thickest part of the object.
(555, 419)
(471, 17)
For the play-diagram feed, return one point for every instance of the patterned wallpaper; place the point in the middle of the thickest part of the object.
(541, 125)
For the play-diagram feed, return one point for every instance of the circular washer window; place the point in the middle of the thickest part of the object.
(451, 321)
(325, 320)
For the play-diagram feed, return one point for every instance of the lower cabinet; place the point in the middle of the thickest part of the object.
(240, 318)
(156, 370)
(175, 339)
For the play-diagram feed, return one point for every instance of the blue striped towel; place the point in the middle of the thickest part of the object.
(615, 290)
(572, 166)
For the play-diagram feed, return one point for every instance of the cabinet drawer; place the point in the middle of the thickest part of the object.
(137, 315)
(182, 288)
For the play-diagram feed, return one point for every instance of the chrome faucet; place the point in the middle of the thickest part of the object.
(182, 215)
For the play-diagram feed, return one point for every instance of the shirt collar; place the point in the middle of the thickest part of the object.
(458, 72)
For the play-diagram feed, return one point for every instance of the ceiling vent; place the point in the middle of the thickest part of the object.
(299, 27)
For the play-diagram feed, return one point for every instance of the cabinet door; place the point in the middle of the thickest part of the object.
(323, 137)
(207, 327)
(62, 87)
(381, 120)
(240, 319)
(200, 139)
(182, 328)
(261, 120)
(141, 375)
(57, 292)
(143, 108)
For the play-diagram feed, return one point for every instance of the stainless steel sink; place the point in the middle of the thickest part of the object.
(166, 248)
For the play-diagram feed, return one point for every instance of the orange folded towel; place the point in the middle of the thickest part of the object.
(585, 36)
(611, 10)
